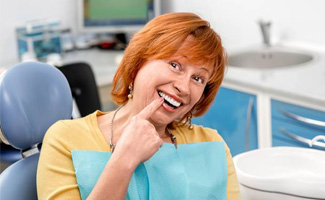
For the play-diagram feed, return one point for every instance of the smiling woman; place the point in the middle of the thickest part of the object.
(164, 37)
(148, 148)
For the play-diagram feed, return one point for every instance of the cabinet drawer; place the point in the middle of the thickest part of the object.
(281, 139)
(298, 115)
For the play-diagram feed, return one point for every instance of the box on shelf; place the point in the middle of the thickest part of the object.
(39, 39)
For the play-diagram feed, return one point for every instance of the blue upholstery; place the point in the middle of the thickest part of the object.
(32, 97)
(18, 181)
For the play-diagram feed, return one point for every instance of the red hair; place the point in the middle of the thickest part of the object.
(160, 39)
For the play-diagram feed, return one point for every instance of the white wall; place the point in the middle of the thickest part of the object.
(14, 13)
(300, 21)
(234, 20)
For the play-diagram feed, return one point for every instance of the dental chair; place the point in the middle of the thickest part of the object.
(33, 96)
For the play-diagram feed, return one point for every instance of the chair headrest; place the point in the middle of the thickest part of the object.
(33, 96)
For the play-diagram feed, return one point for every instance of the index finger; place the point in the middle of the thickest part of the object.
(148, 111)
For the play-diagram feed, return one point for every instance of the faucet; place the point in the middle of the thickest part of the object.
(265, 28)
(319, 137)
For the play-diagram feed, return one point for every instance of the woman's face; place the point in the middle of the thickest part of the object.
(180, 82)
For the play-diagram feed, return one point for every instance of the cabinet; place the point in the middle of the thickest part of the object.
(233, 114)
(294, 125)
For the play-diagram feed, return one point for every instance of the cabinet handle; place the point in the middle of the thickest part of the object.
(303, 119)
(300, 139)
(248, 122)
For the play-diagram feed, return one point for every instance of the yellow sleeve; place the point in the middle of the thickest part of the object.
(232, 183)
(55, 173)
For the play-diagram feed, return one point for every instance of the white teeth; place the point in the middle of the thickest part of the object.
(170, 99)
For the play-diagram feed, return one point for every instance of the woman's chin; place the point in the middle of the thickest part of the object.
(161, 120)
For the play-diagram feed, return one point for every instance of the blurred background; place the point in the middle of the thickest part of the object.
(273, 93)
(234, 20)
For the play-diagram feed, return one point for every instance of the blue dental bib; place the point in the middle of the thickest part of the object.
(192, 171)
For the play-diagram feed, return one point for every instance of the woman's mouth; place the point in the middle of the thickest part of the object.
(170, 101)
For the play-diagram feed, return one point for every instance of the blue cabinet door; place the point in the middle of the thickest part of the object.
(280, 127)
(291, 122)
(233, 114)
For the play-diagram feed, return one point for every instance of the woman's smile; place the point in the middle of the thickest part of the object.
(170, 102)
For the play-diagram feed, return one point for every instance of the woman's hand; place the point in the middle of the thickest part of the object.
(140, 140)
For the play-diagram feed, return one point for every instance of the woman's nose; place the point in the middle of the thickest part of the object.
(182, 86)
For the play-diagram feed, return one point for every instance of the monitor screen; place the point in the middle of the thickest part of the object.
(115, 15)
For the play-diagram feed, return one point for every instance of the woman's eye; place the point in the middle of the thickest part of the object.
(175, 65)
(198, 79)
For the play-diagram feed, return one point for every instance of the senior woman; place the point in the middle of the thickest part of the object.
(148, 148)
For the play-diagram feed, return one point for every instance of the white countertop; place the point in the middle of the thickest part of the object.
(306, 81)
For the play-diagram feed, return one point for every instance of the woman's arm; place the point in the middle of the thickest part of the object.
(232, 183)
(55, 172)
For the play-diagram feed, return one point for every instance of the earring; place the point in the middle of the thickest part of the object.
(189, 120)
(130, 95)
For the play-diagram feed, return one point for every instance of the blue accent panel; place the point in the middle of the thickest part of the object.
(279, 139)
(193, 171)
(281, 121)
(297, 110)
(228, 115)
(285, 141)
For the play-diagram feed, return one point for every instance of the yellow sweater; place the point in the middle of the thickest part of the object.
(56, 176)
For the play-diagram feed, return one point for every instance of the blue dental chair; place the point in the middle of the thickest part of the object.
(33, 96)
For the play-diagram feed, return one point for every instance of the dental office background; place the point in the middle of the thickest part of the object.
(235, 20)
(294, 23)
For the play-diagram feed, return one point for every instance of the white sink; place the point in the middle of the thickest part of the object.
(281, 173)
(269, 57)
